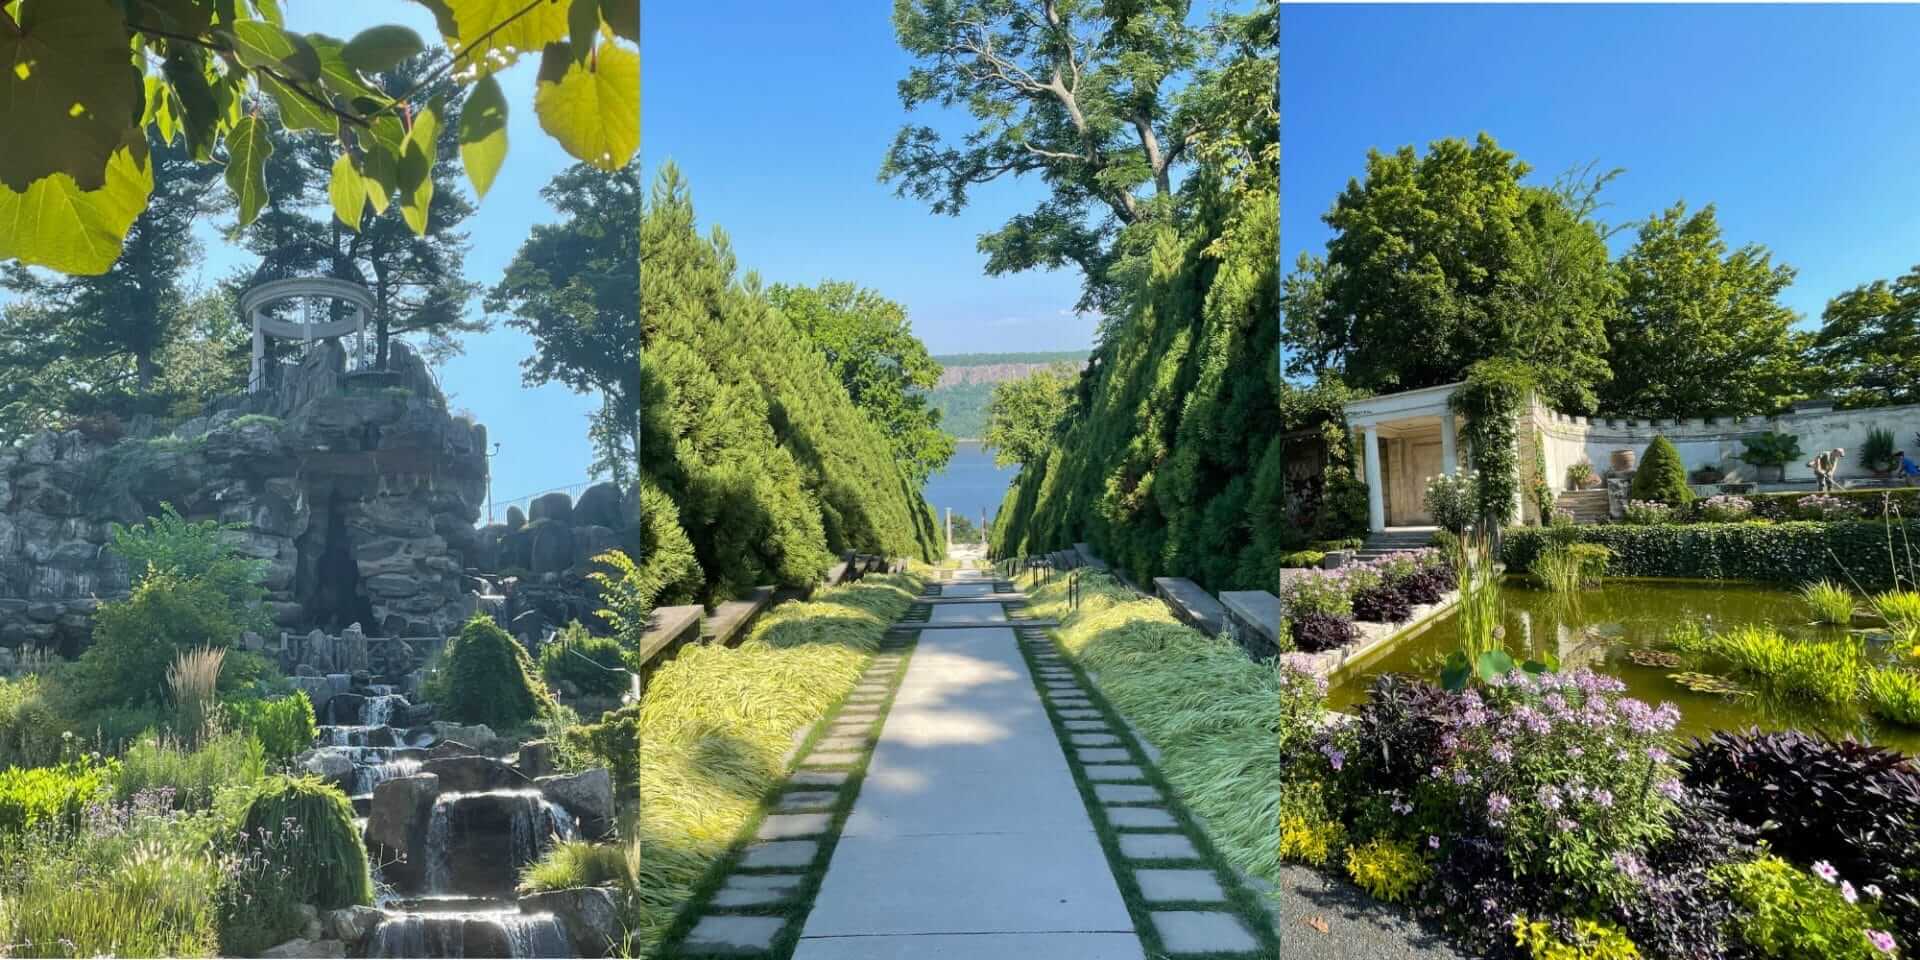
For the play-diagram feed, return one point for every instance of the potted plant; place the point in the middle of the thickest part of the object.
(1877, 452)
(1580, 476)
(1770, 453)
(1706, 474)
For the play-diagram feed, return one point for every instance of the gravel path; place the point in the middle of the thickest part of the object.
(1358, 927)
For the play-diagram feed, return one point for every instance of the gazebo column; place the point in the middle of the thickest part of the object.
(1376, 501)
(1449, 445)
(259, 357)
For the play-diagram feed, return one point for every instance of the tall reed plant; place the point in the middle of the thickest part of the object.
(193, 681)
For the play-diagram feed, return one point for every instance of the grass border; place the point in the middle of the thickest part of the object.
(794, 909)
(1240, 900)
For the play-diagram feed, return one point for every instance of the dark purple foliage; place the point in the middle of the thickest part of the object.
(1853, 805)
(1382, 603)
(1427, 585)
(1678, 912)
(1314, 632)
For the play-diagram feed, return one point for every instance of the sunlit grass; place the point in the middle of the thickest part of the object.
(1893, 695)
(1816, 671)
(1829, 602)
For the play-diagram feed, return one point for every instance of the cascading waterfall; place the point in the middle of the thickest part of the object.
(535, 824)
(367, 777)
(483, 933)
(377, 710)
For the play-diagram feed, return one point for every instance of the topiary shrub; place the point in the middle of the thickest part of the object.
(486, 677)
(1661, 476)
(326, 861)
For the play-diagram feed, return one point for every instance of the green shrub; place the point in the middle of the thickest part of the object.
(30, 725)
(283, 725)
(1661, 476)
(136, 639)
(486, 677)
(1893, 695)
(572, 659)
(1388, 870)
(1591, 940)
(614, 742)
(328, 866)
(167, 545)
(52, 796)
(1771, 449)
(1828, 601)
(1302, 558)
(1786, 553)
(1788, 913)
(196, 776)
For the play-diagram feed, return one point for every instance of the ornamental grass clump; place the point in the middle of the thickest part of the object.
(1901, 611)
(718, 721)
(1824, 672)
(486, 676)
(328, 867)
(1558, 570)
(1829, 602)
(1893, 695)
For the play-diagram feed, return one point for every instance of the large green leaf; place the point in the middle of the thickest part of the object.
(69, 92)
(248, 147)
(416, 170)
(296, 111)
(200, 112)
(483, 134)
(261, 44)
(583, 27)
(348, 191)
(464, 22)
(57, 225)
(593, 110)
(382, 171)
(184, 17)
(380, 48)
(342, 79)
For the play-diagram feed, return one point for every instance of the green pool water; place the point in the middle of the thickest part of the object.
(1597, 627)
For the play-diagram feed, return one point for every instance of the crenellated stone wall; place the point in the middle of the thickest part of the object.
(359, 491)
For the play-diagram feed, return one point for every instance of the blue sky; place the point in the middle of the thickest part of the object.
(1799, 122)
(778, 115)
(542, 431)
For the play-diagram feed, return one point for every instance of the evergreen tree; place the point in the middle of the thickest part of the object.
(574, 287)
(747, 429)
(1701, 328)
(870, 345)
(1661, 475)
(92, 344)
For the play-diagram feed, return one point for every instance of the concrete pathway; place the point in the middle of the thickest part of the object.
(968, 840)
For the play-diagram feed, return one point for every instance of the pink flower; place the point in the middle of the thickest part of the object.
(1433, 842)
(1881, 940)
(1825, 871)
(1846, 892)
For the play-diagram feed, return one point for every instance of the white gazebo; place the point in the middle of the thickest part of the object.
(1405, 438)
(325, 308)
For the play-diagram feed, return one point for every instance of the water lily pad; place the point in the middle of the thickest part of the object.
(1709, 683)
(1649, 657)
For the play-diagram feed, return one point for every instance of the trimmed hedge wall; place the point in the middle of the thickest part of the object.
(1789, 553)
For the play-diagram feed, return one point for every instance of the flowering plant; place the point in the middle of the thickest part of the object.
(1318, 591)
(1726, 508)
(1452, 499)
(1648, 511)
(1819, 506)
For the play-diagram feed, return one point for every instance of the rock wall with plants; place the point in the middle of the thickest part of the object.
(359, 491)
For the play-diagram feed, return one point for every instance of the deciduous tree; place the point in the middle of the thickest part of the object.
(1025, 415)
(1868, 348)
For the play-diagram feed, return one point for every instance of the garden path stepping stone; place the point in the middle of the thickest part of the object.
(833, 758)
(754, 889)
(1195, 931)
(1125, 793)
(806, 800)
(1080, 714)
(1162, 886)
(818, 778)
(1104, 755)
(1140, 818)
(867, 714)
(1126, 771)
(785, 826)
(854, 742)
(1087, 725)
(856, 728)
(733, 936)
(1093, 739)
(783, 853)
(1157, 846)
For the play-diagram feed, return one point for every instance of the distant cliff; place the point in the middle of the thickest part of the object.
(966, 384)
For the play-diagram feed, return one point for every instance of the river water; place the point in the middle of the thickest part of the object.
(970, 484)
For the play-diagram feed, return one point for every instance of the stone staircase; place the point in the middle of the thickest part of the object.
(1393, 541)
(1588, 506)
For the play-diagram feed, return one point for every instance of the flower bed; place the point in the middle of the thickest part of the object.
(1790, 552)
(1328, 610)
(1548, 815)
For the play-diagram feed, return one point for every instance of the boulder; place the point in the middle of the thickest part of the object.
(535, 759)
(305, 947)
(332, 764)
(475, 774)
(550, 549)
(515, 518)
(344, 708)
(350, 924)
(474, 733)
(556, 507)
(589, 914)
(397, 827)
(451, 748)
(587, 795)
(600, 505)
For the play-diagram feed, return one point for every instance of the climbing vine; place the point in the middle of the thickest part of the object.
(1489, 403)
(1542, 490)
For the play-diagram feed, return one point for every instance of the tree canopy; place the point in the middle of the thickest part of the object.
(572, 287)
(90, 79)
(1869, 343)
(1024, 416)
(1700, 330)
(870, 345)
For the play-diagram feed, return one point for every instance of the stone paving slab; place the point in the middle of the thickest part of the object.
(805, 800)
(732, 936)
(990, 946)
(784, 826)
(783, 853)
(1114, 771)
(818, 778)
(1093, 739)
(1086, 725)
(1203, 931)
(1104, 754)
(1157, 846)
(1164, 885)
(755, 889)
(1140, 818)
(967, 613)
(1126, 793)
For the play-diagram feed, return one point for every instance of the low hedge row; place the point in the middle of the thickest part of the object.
(1779, 506)
(1792, 552)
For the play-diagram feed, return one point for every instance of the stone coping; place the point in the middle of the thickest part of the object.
(1192, 604)
(668, 626)
(730, 620)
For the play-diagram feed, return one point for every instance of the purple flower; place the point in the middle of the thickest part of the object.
(1603, 798)
(1433, 842)
(1629, 864)
(1881, 940)
(1549, 797)
(1576, 752)
(1461, 777)
(1335, 756)
(1402, 807)
(1825, 871)
(1498, 805)
(1501, 753)
(1847, 893)
(1566, 824)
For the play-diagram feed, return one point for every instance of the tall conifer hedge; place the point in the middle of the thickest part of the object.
(745, 427)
